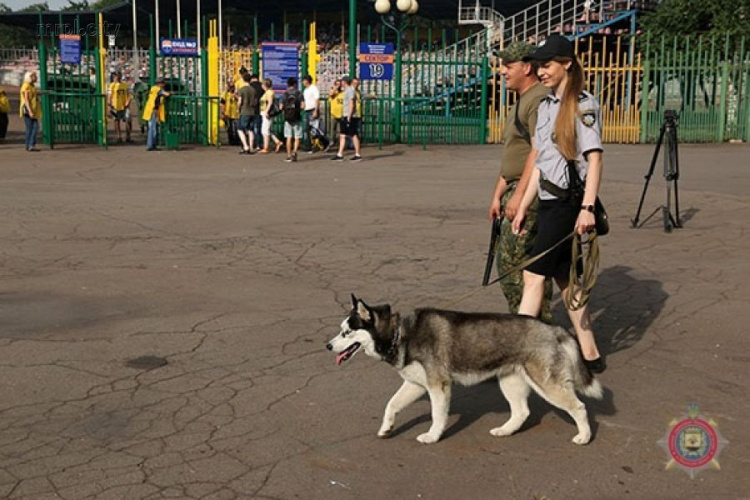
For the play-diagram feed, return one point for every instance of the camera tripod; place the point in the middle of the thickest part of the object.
(668, 137)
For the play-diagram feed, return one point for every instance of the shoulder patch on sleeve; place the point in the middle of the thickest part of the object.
(588, 117)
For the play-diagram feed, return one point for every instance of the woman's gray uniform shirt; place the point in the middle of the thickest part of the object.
(550, 161)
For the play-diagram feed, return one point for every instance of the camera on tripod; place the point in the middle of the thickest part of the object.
(668, 137)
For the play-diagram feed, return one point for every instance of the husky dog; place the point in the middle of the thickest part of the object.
(432, 348)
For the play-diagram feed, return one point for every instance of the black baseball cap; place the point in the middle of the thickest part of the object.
(553, 46)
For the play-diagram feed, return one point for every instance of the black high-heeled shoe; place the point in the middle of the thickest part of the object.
(595, 365)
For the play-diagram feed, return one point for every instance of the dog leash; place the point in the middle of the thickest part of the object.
(519, 267)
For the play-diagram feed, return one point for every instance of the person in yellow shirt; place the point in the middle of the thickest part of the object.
(119, 97)
(155, 112)
(31, 109)
(230, 114)
(268, 109)
(336, 105)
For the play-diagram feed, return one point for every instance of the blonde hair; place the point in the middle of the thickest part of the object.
(565, 126)
(27, 76)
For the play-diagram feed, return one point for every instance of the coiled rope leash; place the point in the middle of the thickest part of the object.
(580, 286)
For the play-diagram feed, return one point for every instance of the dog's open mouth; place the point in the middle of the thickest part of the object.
(348, 353)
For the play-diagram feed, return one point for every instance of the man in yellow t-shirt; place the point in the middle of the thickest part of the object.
(119, 97)
(155, 112)
(230, 114)
(336, 105)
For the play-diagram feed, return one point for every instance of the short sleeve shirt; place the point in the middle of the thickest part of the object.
(119, 93)
(312, 94)
(550, 161)
(247, 106)
(515, 147)
(350, 97)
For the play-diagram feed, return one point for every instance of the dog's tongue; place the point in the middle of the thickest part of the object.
(340, 358)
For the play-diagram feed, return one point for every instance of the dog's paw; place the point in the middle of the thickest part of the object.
(427, 438)
(501, 431)
(384, 432)
(581, 438)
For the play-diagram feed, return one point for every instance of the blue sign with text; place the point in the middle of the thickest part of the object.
(185, 47)
(280, 62)
(376, 61)
(70, 49)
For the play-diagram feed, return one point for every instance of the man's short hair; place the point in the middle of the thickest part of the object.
(308, 79)
(291, 82)
(246, 76)
(254, 76)
(268, 83)
(346, 80)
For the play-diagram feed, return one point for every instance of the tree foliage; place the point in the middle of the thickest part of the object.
(36, 7)
(713, 18)
(73, 5)
(103, 4)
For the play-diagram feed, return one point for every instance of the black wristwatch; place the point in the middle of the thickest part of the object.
(588, 208)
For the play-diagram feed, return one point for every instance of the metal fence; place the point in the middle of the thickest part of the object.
(707, 81)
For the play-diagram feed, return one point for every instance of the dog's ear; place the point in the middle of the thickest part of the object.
(363, 311)
(354, 301)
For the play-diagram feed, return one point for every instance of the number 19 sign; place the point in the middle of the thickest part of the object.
(376, 61)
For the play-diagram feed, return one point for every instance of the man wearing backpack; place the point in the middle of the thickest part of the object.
(291, 106)
(515, 172)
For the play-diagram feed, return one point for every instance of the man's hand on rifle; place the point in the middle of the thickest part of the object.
(496, 209)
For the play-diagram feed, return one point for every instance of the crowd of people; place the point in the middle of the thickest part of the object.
(249, 109)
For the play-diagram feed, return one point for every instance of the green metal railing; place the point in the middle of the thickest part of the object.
(75, 118)
(190, 118)
(707, 81)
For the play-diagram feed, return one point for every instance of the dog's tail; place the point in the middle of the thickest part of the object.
(584, 381)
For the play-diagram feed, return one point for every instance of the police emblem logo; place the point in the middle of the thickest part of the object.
(588, 118)
(693, 443)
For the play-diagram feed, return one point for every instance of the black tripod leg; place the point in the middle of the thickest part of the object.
(634, 221)
(677, 221)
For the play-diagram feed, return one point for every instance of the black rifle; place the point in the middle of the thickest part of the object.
(496, 222)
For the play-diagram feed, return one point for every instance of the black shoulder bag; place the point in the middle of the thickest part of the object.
(576, 190)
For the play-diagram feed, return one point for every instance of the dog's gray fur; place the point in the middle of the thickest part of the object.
(433, 348)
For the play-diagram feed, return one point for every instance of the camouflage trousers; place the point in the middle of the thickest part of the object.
(510, 251)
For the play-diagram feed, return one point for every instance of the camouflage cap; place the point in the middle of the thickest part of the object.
(516, 51)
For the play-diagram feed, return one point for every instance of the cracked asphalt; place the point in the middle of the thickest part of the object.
(163, 319)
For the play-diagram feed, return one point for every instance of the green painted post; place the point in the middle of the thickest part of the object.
(483, 111)
(273, 32)
(101, 130)
(398, 90)
(352, 38)
(151, 53)
(644, 100)
(724, 89)
(204, 95)
(255, 31)
(304, 69)
(47, 135)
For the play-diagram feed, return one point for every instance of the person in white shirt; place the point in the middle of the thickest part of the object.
(311, 95)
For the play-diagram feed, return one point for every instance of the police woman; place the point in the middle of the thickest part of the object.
(568, 128)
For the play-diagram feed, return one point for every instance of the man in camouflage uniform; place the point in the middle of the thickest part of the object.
(516, 167)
